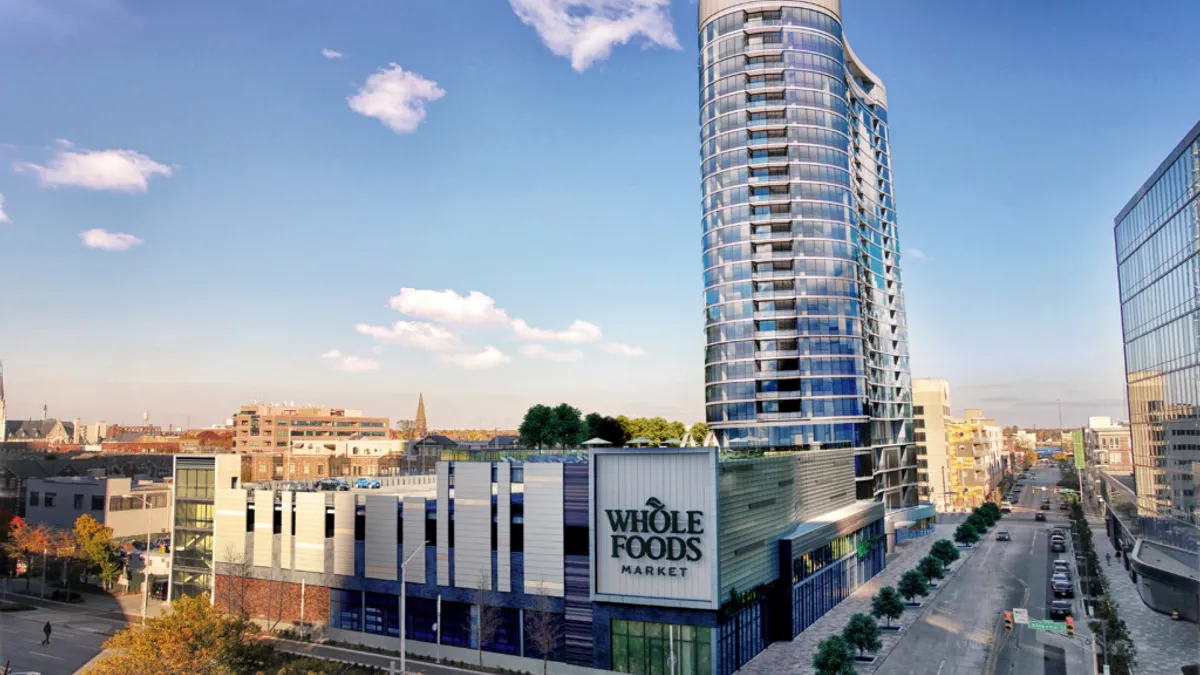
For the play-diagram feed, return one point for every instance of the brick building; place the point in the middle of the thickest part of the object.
(272, 428)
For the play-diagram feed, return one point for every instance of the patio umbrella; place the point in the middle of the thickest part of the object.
(640, 441)
(597, 442)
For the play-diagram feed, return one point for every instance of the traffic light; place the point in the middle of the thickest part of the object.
(1008, 621)
(1070, 627)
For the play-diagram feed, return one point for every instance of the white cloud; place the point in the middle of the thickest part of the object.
(490, 357)
(3, 216)
(540, 352)
(585, 31)
(396, 97)
(331, 54)
(418, 334)
(119, 170)
(108, 241)
(917, 254)
(622, 350)
(447, 306)
(349, 363)
(578, 331)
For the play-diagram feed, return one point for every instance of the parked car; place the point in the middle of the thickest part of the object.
(1002, 536)
(332, 484)
(1057, 545)
(158, 589)
(1045, 506)
(1062, 587)
(1039, 516)
(1062, 567)
(1060, 609)
(368, 483)
(1006, 506)
(1062, 506)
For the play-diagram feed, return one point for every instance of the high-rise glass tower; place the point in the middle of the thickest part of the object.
(1158, 276)
(806, 337)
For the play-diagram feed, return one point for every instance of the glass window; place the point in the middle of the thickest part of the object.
(50, 497)
(33, 497)
(77, 502)
(97, 502)
(644, 648)
(382, 614)
(345, 609)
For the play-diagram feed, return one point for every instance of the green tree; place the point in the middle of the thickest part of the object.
(992, 510)
(984, 515)
(912, 584)
(566, 426)
(887, 605)
(978, 522)
(966, 534)
(96, 549)
(600, 426)
(862, 633)
(833, 657)
(699, 432)
(944, 550)
(931, 568)
(537, 429)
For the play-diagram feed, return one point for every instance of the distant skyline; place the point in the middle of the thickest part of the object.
(199, 209)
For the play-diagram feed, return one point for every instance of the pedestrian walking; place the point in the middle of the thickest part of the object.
(46, 629)
(1108, 559)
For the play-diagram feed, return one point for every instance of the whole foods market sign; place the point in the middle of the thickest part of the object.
(654, 527)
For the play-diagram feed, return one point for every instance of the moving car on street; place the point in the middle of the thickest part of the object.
(1040, 516)
(1002, 536)
(1006, 506)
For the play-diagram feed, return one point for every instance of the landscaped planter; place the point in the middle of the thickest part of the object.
(864, 659)
(890, 629)
(933, 585)
(913, 604)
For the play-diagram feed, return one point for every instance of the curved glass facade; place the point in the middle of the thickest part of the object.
(804, 313)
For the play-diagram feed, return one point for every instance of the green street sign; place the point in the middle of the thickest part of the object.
(1052, 626)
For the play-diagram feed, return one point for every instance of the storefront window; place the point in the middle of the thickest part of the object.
(345, 609)
(382, 615)
(645, 648)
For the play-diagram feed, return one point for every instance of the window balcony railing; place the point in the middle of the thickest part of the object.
(767, 103)
(772, 197)
(772, 140)
(776, 354)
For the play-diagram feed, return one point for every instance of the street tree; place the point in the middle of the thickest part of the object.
(887, 605)
(912, 584)
(537, 428)
(992, 510)
(978, 522)
(966, 534)
(95, 549)
(699, 432)
(488, 618)
(26, 543)
(543, 629)
(233, 588)
(944, 550)
(862, 633)
(195, 638)
(931, 568)
(833, 657)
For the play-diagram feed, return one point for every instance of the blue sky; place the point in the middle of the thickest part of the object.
(281, 201)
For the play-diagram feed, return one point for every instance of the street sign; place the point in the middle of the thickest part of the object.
(1020, 615)
(1052, 626)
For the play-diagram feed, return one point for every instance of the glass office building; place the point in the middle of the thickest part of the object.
(806, 336)
(1158, 273)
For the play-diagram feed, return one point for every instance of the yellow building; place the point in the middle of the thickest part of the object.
(975, 448)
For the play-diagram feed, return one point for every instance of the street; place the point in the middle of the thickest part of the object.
(953, 636)
(76, 638)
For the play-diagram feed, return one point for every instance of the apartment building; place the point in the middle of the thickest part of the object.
(131, 508)
(976, 448)
(931, 416)
(267, 428)
(1109, 446)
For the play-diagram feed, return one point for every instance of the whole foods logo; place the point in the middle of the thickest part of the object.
(657, 535)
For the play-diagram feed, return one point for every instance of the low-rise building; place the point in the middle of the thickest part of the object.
(976, 459)
(131, 508)
(1109, 446)
(272, 428)
(649, 552)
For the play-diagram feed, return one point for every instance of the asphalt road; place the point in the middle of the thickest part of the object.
(74, 640)
(1027, 584)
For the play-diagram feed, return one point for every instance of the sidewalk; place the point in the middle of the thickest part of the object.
(1163, 645)
(795, 657)
(366, 659)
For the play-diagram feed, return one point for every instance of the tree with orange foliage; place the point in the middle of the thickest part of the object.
(26, 542)
(194, 639)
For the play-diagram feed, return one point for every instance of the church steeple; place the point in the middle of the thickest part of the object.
(420, 427)
(3, 408)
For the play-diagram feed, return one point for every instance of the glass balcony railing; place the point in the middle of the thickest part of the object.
(766, 103)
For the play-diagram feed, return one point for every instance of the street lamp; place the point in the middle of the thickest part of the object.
(403, 622)
(145, 559)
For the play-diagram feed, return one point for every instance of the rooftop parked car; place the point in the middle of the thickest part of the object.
(369, 483)
(1060, 609)
(1002, 536)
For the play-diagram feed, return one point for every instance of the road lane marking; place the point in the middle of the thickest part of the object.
(940, 666)
(56, 658)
